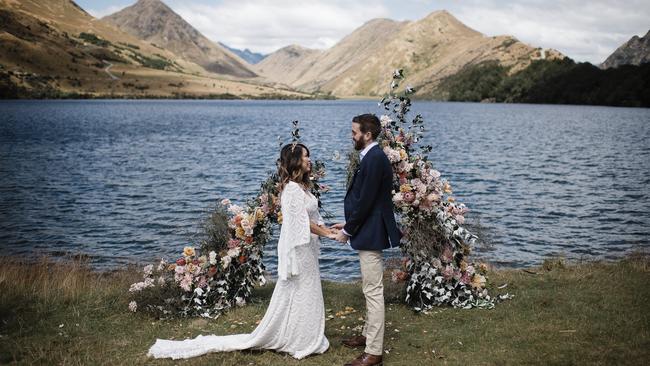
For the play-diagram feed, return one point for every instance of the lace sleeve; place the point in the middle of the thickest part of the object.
(294, 231)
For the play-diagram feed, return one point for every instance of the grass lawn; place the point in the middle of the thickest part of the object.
(574, 314)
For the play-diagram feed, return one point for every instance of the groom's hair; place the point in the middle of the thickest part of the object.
(368, 123)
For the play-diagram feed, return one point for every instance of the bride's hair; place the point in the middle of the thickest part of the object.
(290, 165)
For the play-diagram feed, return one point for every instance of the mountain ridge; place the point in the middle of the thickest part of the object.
(155, 22)
(429, 49)
(635, 51)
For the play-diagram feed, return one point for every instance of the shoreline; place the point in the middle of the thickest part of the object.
(128, 265)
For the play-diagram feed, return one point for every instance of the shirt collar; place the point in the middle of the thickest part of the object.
(365, 151)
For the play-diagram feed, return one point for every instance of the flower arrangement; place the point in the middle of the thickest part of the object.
(231, 244)
(436, 244)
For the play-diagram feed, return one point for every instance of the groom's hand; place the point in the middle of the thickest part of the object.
(338, 226)
(341, 237)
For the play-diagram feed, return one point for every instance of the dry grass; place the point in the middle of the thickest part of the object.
(562, 314)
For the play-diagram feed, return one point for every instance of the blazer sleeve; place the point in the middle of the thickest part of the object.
(369, 193)
(294, 230)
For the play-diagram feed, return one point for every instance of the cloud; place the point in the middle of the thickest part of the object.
(584, 31)
(265, 26)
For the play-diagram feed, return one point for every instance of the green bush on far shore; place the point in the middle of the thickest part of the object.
(550, 82)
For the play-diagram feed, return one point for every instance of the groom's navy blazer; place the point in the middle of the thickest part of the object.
(369, 216)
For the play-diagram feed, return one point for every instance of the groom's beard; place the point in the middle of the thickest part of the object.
(359, 145)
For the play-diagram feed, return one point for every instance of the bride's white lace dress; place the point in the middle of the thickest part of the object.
(295, 319)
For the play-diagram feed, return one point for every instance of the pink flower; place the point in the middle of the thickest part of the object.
(447, 255)
(448, 272)
(433, 197)
(408, 197)
(466, 278)
(233, 243)
(186, 283)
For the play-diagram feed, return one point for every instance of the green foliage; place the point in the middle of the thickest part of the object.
(160, 63)
(92, 38)
(214, 232)
(475, 83)
(551, 81)
(130, 45)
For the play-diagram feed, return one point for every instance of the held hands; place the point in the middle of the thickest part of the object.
(331, 234)
(339, 235)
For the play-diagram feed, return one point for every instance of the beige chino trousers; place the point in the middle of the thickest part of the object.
(372, 273)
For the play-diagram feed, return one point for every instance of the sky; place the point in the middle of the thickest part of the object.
(586, 31)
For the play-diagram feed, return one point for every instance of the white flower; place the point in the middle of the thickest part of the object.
(213, 257)
(240, 301)
(392, 155)
(162, 265)
(198, 291)
(225, 202)
(385, 120)
(235, 210)
(148, 269)
(161, 280)
(262, 280)
(234, 252)
(225, 261)
(133, 306)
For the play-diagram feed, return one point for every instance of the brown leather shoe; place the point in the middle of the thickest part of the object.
(356, 341)
(366, 359)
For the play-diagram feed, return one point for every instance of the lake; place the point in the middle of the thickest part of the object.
(129, 181)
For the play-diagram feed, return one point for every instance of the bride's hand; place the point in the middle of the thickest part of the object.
(332, 233)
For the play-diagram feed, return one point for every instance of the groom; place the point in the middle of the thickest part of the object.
(370, 227)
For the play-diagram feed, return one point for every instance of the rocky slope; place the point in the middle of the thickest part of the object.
(636, 51)
(155, 22)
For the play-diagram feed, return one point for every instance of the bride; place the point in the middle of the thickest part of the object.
(295, 319)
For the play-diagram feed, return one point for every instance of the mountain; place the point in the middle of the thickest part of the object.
(429, 50)
(636, 51)
(309, 69)
(53, 49)
(247, 55)
(155, 22)
(287, 64)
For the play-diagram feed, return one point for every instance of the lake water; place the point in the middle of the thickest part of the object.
(127, 181)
